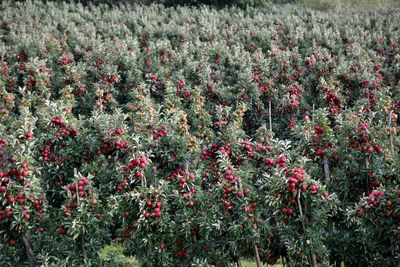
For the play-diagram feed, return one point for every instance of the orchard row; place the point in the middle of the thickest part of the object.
(196, 137)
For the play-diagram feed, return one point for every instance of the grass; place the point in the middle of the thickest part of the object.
(113, 254)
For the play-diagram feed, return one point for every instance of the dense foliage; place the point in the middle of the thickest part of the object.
(212, 3)
(196, 137)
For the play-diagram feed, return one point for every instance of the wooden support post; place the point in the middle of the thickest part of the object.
(270, 115)
(390, 132)
(313, 110)
(326, 169)
(312, 258)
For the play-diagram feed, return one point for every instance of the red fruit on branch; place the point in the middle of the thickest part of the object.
(269, 162)
(228, 189)
(138, 175)
(156, 215)
(67, 212)
(63, 231)
(281, 161)
(319, 129)
(120, 131)
(29, 135)
(290, 211)
(377, 149)
(360, 213)
(227, 204)
(336, 158)
(313, 189)
(320, 152)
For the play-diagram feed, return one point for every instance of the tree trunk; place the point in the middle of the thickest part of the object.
(314, 262)
(29, 250)
(257, 256)
(238, 263)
